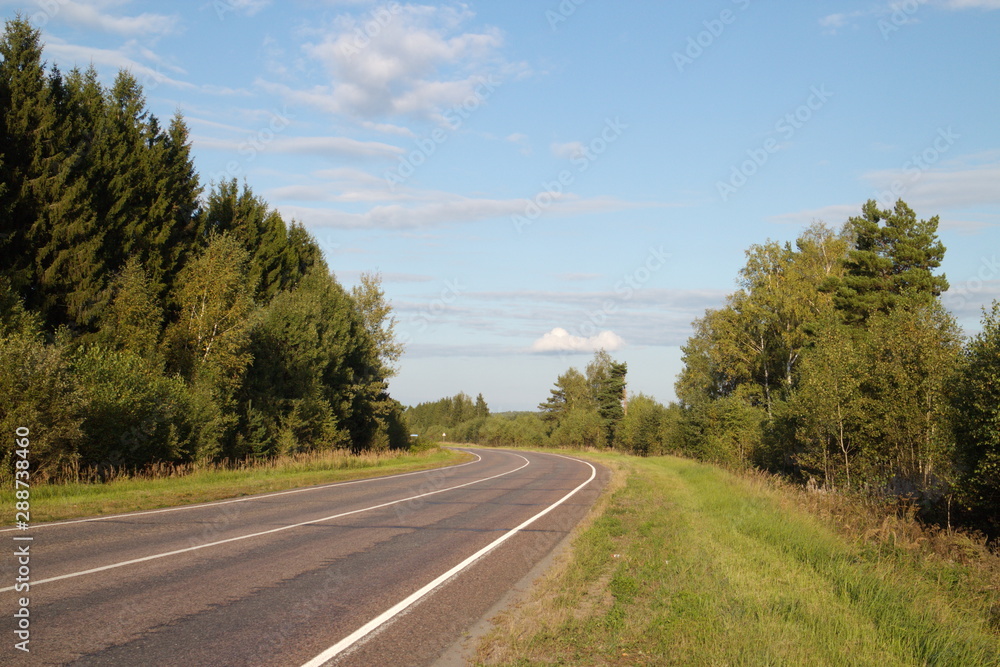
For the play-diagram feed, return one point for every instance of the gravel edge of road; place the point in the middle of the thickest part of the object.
(463, 651)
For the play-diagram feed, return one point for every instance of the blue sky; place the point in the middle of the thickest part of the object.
(536, 180)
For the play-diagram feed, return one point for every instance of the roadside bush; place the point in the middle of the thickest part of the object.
(640, 430)
(580, 427)
(40, 394)
(134, 415)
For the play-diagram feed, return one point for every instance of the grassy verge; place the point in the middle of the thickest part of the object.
(51, 502)
(689, 564)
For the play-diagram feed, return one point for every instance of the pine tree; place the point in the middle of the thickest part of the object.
(606, 378)
(571, 392)
(890, 264)
(301, 254)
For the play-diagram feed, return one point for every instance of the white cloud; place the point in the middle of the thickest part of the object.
(560, 340)
(326, 146)
(568, 150)
(244, 7)
(69, 55)
(956, 187)
(969, 294)
(388, 128)
(403, 60)
(521, 140)
(973, 4)
(900, 12)
(834, 22)
(445, 209)
(93, 15)
(966, 227)
(195, 120)
(834, 215)
(964, 183)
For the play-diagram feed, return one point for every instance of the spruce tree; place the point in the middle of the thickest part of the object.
(482, 410)
(302, 252)
(27, 124)
(70, 268)
(261, 231)
(124, 202)
(174, 223)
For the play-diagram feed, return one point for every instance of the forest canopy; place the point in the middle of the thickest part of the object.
(834, 364)
(145, 319)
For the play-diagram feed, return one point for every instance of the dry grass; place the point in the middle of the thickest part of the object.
(73, 474)
(884, 528)
(166, 486)
(514, 628)
(689, 564)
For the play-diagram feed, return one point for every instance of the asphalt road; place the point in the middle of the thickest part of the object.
(388, 571)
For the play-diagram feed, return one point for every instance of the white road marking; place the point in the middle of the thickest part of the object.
(401, 606)
(244, 499)
(144, 559)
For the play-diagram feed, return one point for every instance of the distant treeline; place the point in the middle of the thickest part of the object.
(583, 410)
(834, 362)
(144, 322)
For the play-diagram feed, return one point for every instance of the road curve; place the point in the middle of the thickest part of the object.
(385, 571)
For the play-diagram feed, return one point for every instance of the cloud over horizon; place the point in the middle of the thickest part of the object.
(560, 340)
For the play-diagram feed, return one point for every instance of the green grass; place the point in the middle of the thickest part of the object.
(688, 564)
(51, 502)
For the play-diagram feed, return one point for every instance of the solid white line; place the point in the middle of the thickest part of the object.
(104, 568)
(244, 499)
(372, 625)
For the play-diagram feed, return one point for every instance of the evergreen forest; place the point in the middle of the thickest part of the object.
(150, 318)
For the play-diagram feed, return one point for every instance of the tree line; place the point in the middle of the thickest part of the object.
(834, 363)
(584, 409)
(146, 321)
